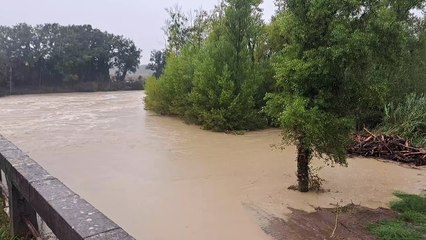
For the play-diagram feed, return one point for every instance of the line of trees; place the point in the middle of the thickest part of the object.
(63, 58)
(320, 70)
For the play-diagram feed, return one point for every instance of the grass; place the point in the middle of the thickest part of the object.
(411, 223)
(407, 119)
(395, 230)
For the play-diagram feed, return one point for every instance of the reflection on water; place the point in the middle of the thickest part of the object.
(162, 179)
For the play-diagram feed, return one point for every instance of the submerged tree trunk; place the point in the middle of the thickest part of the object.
(304, 154)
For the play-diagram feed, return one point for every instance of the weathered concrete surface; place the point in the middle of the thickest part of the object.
(81, 216)
(50, 189)
(116, 234)
(18, 209)
(32, 189)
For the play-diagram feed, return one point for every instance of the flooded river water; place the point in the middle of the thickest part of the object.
(162, 179)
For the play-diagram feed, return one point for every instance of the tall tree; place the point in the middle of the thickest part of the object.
(158, 62)
(228, 73)
(177, 29)
(170, 93)
(126, 57)
(411, 67)
(333, 58)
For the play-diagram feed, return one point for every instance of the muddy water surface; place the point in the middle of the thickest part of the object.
(162, 179)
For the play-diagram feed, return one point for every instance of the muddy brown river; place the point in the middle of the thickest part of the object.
(162, 179)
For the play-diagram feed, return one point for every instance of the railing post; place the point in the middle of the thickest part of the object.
(18, 210)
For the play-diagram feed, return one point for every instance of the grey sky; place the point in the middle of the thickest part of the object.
(140, 20)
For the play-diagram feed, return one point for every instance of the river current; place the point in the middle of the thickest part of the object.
(162, 179)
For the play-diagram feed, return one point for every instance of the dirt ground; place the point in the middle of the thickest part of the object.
(319, 225)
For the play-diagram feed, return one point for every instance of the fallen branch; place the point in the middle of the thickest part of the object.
(393, 148)
(336, 222)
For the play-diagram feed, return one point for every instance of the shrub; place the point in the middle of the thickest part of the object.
(156, 96)
(170, 94)
(407, 119)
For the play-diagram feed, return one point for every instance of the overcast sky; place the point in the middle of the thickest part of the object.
(140, 20)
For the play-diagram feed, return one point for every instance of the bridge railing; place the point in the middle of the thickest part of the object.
(32, 191)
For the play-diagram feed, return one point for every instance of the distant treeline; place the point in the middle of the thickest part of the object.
(52, 57)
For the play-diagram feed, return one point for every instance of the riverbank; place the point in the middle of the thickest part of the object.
(405, 220)
(348, 222)
(81, 87)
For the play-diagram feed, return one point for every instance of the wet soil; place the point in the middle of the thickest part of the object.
(352, 223)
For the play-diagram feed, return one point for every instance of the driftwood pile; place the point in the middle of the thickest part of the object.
(393, 148)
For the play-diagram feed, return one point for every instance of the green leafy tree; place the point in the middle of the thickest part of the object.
(200, 28)
(281, 5)
(410, 74)
(170, 93)
(219, 75)
(182, 29)
(331, 66)
(126, 57)
(158, 62)
(76, 57)
(228, 71)
(177, 29)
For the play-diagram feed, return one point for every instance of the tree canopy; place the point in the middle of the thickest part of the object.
(76, 56)
(333, 66)
(217, 88)
(158, 62)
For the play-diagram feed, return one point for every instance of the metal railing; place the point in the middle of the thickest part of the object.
(31, 191)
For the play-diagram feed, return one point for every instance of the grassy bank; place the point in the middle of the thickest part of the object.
(411, 223)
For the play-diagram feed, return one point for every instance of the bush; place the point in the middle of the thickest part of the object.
(169, 95)
(221, 102)
(156, 97)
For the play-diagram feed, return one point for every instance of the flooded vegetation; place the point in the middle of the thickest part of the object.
(199, 153)
(148, 172)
